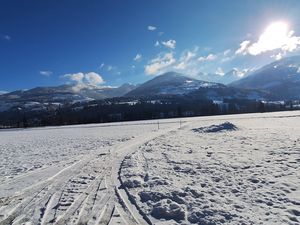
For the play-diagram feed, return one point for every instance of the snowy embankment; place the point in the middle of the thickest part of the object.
(244, 171)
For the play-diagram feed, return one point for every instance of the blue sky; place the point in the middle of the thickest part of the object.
(46, 43)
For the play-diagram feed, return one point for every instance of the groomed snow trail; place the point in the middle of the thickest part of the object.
(86, 190)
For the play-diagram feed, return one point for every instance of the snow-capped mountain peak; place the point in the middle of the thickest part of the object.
(170, 83)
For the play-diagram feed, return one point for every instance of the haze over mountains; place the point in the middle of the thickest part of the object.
(227, 78)
(281, 77)
(279, 80)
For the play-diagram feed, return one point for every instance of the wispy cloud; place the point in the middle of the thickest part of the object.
(243, 49)
(209, 57)
(185, 60)
(101, 66)
(160, 64)
(109, 68)
(5, 37)
(46, 73)
(138, 58)
(220, 71)
(156, 44)
(227, 52)
(152, 28)
(169, 44)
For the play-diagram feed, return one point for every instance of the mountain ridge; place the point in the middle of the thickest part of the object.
(170, 83)
(281, 77)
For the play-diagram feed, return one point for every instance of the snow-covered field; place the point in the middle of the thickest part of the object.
(237, 169)
(211, 172)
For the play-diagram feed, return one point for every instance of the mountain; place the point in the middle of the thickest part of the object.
(225, 92)
(233, 75)
(67, 93)
(170, 83)
(281, 77)
(167, 84)
(229, 77)
(40, 97)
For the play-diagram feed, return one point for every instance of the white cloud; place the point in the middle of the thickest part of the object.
(93, 78)
(3, 92)
(110, 68)
(241, 73)
(5, 37)
(102, 65)
(220, 71)
(277, 56)
(76, 77)
(277, 36)
(209, 57)
(137, 58)
(156, 44)
(152, 28)
(83, 80)
(169, 44)
(46, 73)
(185, 60)
(243, 49)
(160, 63)
(227, 52)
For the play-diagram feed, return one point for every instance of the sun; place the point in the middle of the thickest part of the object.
(276, 33)
(275, 36)
(277, 28)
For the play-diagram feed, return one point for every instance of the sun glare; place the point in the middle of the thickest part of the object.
(275, 36)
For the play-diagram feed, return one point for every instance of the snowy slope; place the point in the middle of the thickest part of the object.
(171, 83)
(64, 94)
(281, 77)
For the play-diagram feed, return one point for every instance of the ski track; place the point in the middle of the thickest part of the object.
(79, 190)
(95, 174)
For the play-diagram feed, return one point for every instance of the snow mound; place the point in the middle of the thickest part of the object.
(227, 126)
(167, 209)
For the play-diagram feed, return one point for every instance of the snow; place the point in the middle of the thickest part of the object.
(235, 169)
(245, 171)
